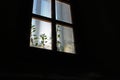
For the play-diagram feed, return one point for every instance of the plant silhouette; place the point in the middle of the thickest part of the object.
(43, 39)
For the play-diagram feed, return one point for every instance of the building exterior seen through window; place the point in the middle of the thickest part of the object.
(52, 17)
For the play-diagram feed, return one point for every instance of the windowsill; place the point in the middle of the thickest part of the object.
(49, 52)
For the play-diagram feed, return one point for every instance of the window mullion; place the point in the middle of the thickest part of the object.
(53, 27)
(41, 17)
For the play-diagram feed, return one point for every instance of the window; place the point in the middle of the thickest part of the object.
(51, 26)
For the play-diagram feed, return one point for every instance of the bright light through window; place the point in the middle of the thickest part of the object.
(43, 26)
(65, 39)
(63, 12)
(40, 34)
(42, 7)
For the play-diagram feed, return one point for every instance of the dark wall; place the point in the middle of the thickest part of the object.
(97, 40)
(100, 27)
(8, 37)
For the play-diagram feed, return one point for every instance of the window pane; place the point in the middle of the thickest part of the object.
(63, 12)
(40, 34)
(65, 39)
(42, 7)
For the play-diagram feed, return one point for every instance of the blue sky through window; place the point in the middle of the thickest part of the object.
(42, 7)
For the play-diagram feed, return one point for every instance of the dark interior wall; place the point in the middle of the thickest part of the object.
(100, 22)
(8, 36)
(97, 41)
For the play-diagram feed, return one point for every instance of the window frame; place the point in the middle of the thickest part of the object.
(54, 21)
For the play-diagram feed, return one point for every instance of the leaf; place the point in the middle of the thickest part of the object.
(42, 38)
(58, 35)
(36, 44)
(33, 25)
(42, 42)
(36, 38)
(40, 35)
(34, 30)
(58, 42)
(45, 36)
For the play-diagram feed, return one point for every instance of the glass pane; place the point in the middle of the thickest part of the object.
(65, 39)
(42, 7)
(40, 34)
(63, 12)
